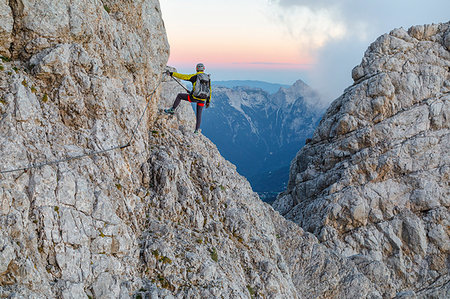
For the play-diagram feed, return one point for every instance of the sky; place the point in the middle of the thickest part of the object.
(282, 41)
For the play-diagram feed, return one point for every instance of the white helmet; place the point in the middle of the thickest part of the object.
(200, 67)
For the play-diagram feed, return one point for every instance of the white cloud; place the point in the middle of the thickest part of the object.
(338, 32)
(311, 29)
(308, 3)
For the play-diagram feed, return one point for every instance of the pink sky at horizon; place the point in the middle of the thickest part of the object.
(257, 54)
(282, 41)
(235, 43)
(232, 60)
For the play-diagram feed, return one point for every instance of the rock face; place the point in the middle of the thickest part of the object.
(6, 27)
(164, 217)
(77, 81)
(373, 182)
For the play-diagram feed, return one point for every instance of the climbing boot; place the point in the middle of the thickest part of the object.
(169, 111)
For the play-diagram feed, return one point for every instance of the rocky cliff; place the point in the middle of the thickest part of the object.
(373, 184)
(164, 217)
(74, 79)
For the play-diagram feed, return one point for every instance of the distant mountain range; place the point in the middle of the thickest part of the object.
(259, 131)
(268, 87)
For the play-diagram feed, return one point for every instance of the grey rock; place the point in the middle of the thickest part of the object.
(7, 254)
(74, 291)
(6, 27)
(371, 185)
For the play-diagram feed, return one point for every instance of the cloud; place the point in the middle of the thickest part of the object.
(311, 29)
(307, 3)
(336, 33)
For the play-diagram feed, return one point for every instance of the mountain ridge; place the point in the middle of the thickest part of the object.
(269, 87)
(267, 129)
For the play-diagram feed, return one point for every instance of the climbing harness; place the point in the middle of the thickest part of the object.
(92, 153)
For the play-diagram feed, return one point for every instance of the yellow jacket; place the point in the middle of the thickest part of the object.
(192, 78)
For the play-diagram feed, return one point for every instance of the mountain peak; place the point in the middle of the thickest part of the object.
(299, 91)
(300, 84)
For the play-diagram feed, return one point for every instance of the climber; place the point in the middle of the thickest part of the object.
(200, 94)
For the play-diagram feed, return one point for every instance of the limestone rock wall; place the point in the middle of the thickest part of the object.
(166, 217)
(6, 27)
(74, 78)
(373, 182)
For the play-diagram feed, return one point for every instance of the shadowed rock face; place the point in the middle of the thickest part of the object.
(165, 217)
(373, 183)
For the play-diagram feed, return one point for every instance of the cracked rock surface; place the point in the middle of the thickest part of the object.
(373, 184)
(6, 27)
